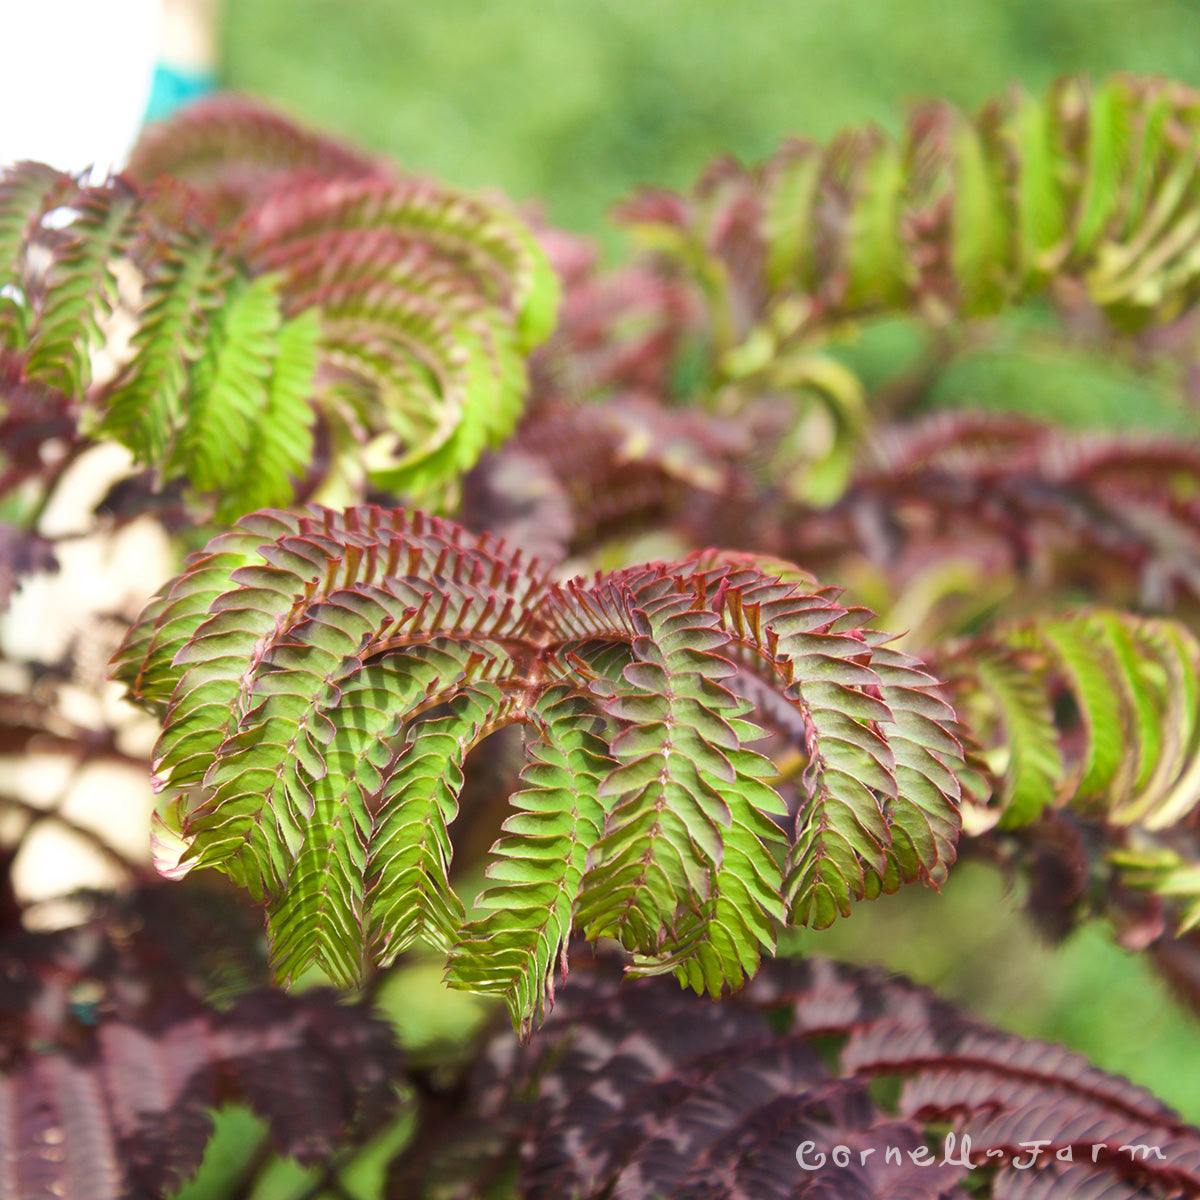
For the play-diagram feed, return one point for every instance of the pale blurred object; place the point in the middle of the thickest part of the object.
(187, 56)
(76, 79)
(189, 37)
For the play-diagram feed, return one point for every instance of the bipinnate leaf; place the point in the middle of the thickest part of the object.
(394, 312)
(215, 386)
(323, 677)
(636, 1090)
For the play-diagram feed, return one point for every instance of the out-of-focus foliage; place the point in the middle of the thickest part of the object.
(296, 316)
(120, 1034)
(634, 1091)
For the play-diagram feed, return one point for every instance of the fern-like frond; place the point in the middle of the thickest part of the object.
(1092, 182)
(719, 943)
(233, 391)
(1099, 709)
(216, 386)
(323, 677)
(430, 301)
(397, 310)
(184, 293)
(81, 287)
(29, 191)
(668, 815)
(539, 863)
(410, 849)
(279, 446)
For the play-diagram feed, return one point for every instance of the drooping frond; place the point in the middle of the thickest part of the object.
(430, 300)
(637, 1091)
(1091, 183)
(215, 385)
(323, 677)
(278, 425)
(1098, 709)
(81, 287)
(1091, 188)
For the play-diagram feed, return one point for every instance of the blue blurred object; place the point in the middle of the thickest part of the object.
(173, 87)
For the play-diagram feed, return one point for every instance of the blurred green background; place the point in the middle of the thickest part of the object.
(572, 103)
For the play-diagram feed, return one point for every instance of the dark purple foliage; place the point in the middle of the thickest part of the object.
(114, 1049)
(635, 1090)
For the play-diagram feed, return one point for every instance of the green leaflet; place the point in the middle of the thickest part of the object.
(665, 828)
(27, 193)
(1166, 873)
(430, 301)
(1040, 204)
(1091, 675)
(231, 376)
(280, 442)
(538, 863)
(881, 769)
(1034, 764)
(409, 855)
(321, 916)
(980, 248)
(790, 191)
(1108, 146)
(82, 290)
(1171, 791)
(182, 296)
(719, 945)
(482, 378)
(322, 678)
(877, 269)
